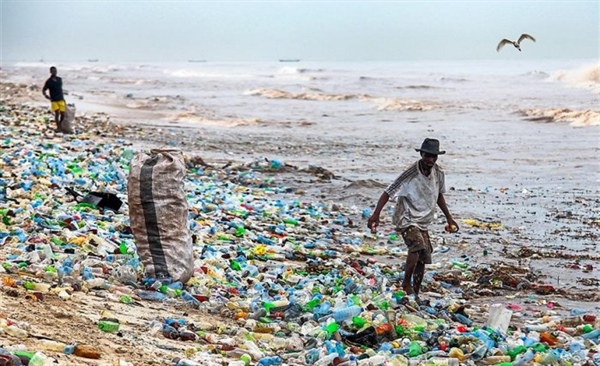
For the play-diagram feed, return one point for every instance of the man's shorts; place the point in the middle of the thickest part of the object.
(59, 106)
(417, 240)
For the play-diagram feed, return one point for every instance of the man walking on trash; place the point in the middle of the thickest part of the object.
(418, 189)
(59, 107)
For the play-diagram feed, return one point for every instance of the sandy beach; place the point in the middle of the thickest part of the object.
(524, 190)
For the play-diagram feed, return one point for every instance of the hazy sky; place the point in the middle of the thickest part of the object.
(310, 30)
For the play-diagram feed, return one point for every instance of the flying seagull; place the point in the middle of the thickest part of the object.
(516, 43)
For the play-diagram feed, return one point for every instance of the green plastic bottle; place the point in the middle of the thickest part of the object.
(358, 322)
(310, 306)
(458, 264)
(240, 231)
(332, 328)
(516, 351)
(108, 326)
(290, 221)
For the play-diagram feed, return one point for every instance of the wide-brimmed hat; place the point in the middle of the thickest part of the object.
(431, 146)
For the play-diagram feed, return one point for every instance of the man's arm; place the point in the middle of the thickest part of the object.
(374, 219)
(44, 90)
(441, 201)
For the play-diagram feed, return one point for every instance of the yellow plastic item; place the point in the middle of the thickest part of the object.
(488, 225)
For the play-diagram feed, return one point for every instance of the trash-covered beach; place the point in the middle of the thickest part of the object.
(285, 270)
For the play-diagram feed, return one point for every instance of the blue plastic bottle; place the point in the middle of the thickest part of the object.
(152, 295)
(270, 361)
(188, 298)
(593, 335)
(463, 319)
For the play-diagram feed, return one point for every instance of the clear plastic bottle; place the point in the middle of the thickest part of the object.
(16, 332)
(50, 345)
(347, 313)
(326, 360)
(373, 361)
(38, 359)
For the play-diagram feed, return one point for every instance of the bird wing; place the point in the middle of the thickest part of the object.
(525, 36)
(502, 43)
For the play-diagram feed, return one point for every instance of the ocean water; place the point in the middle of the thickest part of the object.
(272, 93)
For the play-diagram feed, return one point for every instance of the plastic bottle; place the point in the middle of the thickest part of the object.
(593, 335)
(326, 360)
(246, 359)
(479, 353)
(441, 361)
(347, 313)
(463, 319)
(459, 264)
(576, 311)
(152, 295)
(270, 361)
(38, 359)
(108, 326)
(516, 351)
(524, 358)
(253, 350)
(190, 299)
(373, 361)
(50, 345)
(16, 332)
(493, 360)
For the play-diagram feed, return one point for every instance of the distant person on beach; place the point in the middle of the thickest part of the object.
(59, 107)
(418, 190)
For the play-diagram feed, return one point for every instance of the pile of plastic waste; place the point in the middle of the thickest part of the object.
(292, 275)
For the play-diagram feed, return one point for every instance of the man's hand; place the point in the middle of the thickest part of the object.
(452, 225)
(373, 222)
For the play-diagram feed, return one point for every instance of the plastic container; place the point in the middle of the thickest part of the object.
(270, 361)
(347, 313)
(108, 326)
(38, 359)
(49, 345)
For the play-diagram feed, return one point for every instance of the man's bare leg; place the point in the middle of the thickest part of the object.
(418, 277)
(409, 269)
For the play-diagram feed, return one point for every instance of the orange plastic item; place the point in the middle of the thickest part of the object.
(548, 338)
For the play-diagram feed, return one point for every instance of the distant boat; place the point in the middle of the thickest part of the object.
(289, 60)
(196, 60)
(93, 60)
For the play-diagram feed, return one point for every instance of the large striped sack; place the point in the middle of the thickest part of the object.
(158, 214)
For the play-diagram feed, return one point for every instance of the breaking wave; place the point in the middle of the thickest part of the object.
(193, 117)
(587, 77)
(282, 94)
(410, 105)
(587, 117)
